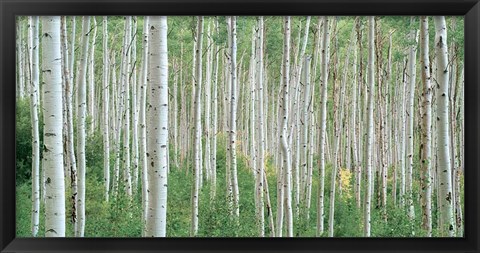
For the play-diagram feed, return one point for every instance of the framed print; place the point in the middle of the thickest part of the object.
(247, 126)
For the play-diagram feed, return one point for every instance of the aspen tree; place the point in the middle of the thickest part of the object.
(81, 124)
(323, 124)
(106, 99)
(142, 118)
(410, 120)
(305, 135)
(233, 118)
(126, 58)
(226, 118)
(261, 133)
(446, 225)
(252, 116)
(33, 40)
(20, 60)
(68, 73)
(286, 151)
(208, 92)
(216, 52)
(157, 128)
(425, 145)
(135, 95)
(403, 127)
(371, 97)
(91, 78)
(52, 129)
(198, 128)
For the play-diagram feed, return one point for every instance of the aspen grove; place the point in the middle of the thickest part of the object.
(216, 126)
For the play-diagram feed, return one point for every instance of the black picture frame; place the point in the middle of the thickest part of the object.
(470, 9)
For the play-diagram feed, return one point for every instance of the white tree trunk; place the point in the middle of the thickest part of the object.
(157, 128)
(198, 127)
(52, 118)
(233, 118)
(402, 143)
(261, 134)
(305, 136)
(208, 92)
(91, 79)
(426, 159)
(135, 90)
(410, 120)
(370, 128)
(446, 226)
(68, 73)
(213, 189)
(323, 125)
(106, 99)
(20, 60)
(286, 152)
(34, 86)
(143, 134)
(81, 118)
(127, 176)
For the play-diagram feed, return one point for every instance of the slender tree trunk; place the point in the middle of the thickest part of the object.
(426, 194)
(323, 125)
(286, 151)
(157, 128)
(70, 128)
(52, 129)
(81, 125)
(91, 79)
(106, 99)
(20, 60)
(127, 177)
(198, 128)
(208, 92)
(402, 123)
(135, 90)
(369, 151)
(305, 137)
(446, 225)
(410, 120)
(143, 128)
(213, 189)
(34, 86)
(260, 180)
(233, 118)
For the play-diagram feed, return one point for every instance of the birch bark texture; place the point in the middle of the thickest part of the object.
(370, 128)
(52, 130)
(233, 117)
(157, 127)
(286, 151)
(34, 86)
(81, 125)
(446, 225)
(198, 127)
(323, 125)
(426, 153)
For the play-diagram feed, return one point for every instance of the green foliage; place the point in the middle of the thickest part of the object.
(23, 139)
